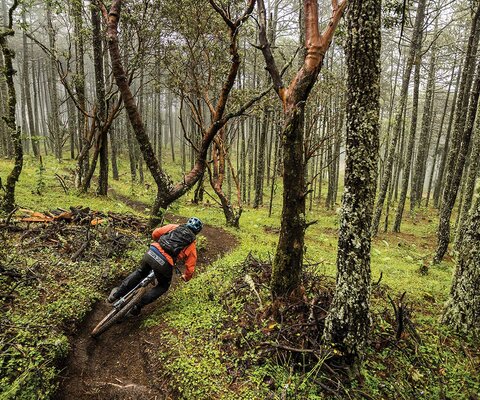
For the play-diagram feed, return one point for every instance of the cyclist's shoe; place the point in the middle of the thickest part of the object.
(134, 311)
(113, 296)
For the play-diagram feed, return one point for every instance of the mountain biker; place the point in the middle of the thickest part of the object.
(172, 242)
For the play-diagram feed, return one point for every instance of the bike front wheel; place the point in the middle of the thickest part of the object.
(117, 314)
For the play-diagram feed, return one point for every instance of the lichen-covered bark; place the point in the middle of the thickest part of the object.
(7, 203)
(100, 92)
(387, 173)
(464, 120)
(347, 324)
(287, 264)
(462, 311)
(469, 185)
(52, 87)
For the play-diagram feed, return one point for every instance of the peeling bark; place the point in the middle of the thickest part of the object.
(167, 192)
(287, 264)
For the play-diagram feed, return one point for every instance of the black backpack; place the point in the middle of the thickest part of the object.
(176, 240)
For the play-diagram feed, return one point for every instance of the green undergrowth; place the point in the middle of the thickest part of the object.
(195, 323)
(45, 295)
(197, 365)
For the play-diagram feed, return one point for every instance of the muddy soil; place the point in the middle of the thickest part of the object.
(121, 363)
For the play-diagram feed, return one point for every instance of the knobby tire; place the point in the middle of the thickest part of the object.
(115, 315)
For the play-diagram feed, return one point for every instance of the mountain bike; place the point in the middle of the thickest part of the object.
(123, 305)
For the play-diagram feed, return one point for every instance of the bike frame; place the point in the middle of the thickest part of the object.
(125, 299)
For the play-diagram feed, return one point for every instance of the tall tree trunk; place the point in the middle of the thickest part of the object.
(387, 173)
(32, 132)
(7, 146)
(114, 151)
(259, 177)
(437, 146)
(72, 125)
(52, 88)
(422, 151)
(100, 92)
(462, 311)
(443, 162)
(83, 157)
(410, 144)
(469, 186)
(461, 139)
(287, 264)
(7, 203)
(348, 322)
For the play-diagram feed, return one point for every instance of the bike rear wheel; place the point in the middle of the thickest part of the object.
(117, 314)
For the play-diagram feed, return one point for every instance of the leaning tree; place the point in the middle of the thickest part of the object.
(167, 191)
(287, 264)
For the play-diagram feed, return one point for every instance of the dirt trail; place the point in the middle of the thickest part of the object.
(121, 363)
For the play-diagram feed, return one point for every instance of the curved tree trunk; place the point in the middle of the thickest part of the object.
(167, 192)
(217, 176)
(287, 264)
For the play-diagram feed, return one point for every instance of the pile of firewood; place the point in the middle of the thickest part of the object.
(82, 216)
(79, 233)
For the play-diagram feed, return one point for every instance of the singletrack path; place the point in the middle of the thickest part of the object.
(121, 363)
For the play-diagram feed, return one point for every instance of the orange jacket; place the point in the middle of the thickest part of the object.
(189, 253)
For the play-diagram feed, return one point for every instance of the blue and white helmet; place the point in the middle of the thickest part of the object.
(195, 224)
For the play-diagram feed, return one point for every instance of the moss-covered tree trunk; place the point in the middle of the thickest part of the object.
(100, 94)
(348, 322)
(287, 264)
(437, 194)
(462, 311)
(54, 117)
(464, 120)
(473, 170)
(7, 203)
(32, 126)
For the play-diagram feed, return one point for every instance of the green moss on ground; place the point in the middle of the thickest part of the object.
(192, 319)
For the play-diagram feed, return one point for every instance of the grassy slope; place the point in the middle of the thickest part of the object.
(193, 356)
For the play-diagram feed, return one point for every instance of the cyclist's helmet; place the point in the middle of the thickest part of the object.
(195, 224)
